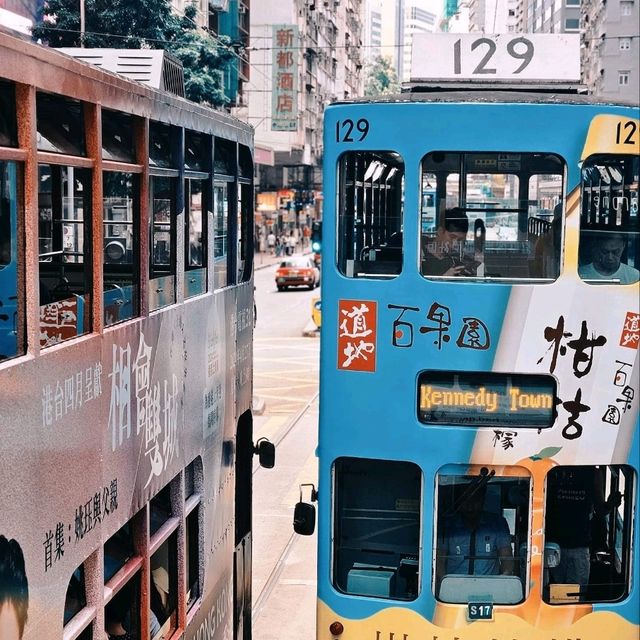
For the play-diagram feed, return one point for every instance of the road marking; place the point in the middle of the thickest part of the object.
(271, 427)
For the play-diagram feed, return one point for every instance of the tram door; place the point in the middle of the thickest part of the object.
(242, 553)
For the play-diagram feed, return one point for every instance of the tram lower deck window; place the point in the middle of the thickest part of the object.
(588, 522)
(481, 535)
(377, 528)
(494, 216)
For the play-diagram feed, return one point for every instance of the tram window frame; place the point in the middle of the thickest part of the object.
(606, 518)
(225, 182)
(194, 526)
(196, 227)
(372, 572)
(458, 245)
(65, 272)
(121, 261)
(464, 485)
(60, 125)
(369, 225)
(8, 115)
(618, 227)
(12, 333)
(244, 213)
(118, 136)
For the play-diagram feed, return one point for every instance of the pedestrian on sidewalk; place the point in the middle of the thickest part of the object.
(271, 242)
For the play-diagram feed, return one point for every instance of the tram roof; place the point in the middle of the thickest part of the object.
(487, 96)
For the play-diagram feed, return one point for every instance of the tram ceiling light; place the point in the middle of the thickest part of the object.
(336, 628)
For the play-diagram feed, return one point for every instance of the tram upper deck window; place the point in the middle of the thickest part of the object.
(60, 125)
(588, 521)
(162, 145)
(370, 209)
(162, 268)
(11, 343)
(609, 220)
(225, 171)
(244, 236)
(491, 216)
(64, 203)
(377, 528)
(481, 535)
(8, 129)
(121, 215)
(118, 136)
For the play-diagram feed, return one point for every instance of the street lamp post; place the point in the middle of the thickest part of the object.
(82, 23)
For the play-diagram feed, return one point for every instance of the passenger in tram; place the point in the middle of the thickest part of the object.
(14, 590)
(606, 260)
(442, 255)
(575, 502)
(474, 541)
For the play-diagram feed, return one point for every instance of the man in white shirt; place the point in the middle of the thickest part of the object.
(606, 264)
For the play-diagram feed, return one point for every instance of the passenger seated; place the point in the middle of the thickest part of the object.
(606, 260)
(442, 255)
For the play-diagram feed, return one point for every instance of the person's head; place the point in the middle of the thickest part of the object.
(14, 590)
(452, 231)
(607, 252)
(471, 501)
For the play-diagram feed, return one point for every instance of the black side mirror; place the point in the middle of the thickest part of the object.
(266, 453)
(304, 514)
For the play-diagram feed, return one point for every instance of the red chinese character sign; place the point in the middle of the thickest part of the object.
(357, 335)
(631, 331)
(284, 104)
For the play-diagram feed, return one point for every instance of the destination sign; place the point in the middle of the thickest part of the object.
(496, 57)
(486, 399)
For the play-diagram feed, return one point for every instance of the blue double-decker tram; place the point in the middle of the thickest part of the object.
(478, 452)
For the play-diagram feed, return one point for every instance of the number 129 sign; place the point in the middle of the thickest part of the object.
(491, 58)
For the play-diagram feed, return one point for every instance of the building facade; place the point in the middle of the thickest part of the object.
(548, 16)
(610, 49)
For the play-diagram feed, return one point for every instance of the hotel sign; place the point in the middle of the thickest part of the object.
(284, 105)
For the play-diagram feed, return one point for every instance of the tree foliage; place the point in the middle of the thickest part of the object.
(137, 24)
(381, 78)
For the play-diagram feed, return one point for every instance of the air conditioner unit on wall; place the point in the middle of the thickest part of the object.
(219, 5)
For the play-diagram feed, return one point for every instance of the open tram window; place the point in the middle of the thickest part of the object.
(8, 128)
(11, 333)
(492, 216)
(370, 209)
(244, 236)
(162, 267)
(60, 125)
(163, 593)
(76, 597)
(588, 520)
(225, 171)
(377, 528)
(195, 276)
(64, 234)
(193, 487)
(481, 534)
(609, 220)
(122, 612)
(118, 136)
(121, 216)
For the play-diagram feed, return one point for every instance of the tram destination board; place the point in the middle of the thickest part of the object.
(486, 399)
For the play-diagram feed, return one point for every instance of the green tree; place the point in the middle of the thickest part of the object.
(136, 24)
(381, 78)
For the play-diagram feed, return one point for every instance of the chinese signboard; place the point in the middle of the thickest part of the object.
(357, 335)
(284, 106)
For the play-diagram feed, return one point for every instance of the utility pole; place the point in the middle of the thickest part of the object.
(82, 25)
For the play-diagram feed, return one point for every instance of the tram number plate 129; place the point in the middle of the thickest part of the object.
(480, 611)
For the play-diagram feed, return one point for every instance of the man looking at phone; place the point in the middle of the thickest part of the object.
(442, 255)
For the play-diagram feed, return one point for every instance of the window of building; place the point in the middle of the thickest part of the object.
(609, 251)
(482, 531)
(626, 8)
(121, 215)
(377, 517)
(572, 3)
(623, 78)
(60, 125)
(64, 236)
(118, 136)
(11, 330)
(491, 216)
(162, 258)
(572, 24)
(8, 128)
(625, 44)
(371, 196)
(588, 526)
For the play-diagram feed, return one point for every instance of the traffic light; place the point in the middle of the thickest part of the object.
(316, 237)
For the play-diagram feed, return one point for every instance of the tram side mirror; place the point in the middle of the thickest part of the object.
(304, 514)
(266, 453)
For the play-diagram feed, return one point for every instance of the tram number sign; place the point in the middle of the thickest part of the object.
(350, 131)
(539, 57)
(480, 611)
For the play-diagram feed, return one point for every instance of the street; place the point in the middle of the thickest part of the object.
(286, 380)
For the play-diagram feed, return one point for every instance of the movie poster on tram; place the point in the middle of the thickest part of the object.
(284, 101)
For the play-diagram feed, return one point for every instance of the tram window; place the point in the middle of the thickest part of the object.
(117, 136)
(370, 205)
(377, 528)
(244, 237)
(11, 344)
(192, 552)
(609, 220)
(197, 148)
(195, 277)
(193, 478)
(121, 215)
(225, 162)
(64, 235)
(491, 216)
(162, 140)
(162, 267)
(8, 128)
(164, 589)
(122, 612)
(220, 231)
(75, 599)
(160, 509)
(481, 535)
(118, 549)
(60, 125)
(588, 521)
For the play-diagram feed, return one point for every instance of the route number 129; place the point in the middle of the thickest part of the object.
(347, 129)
